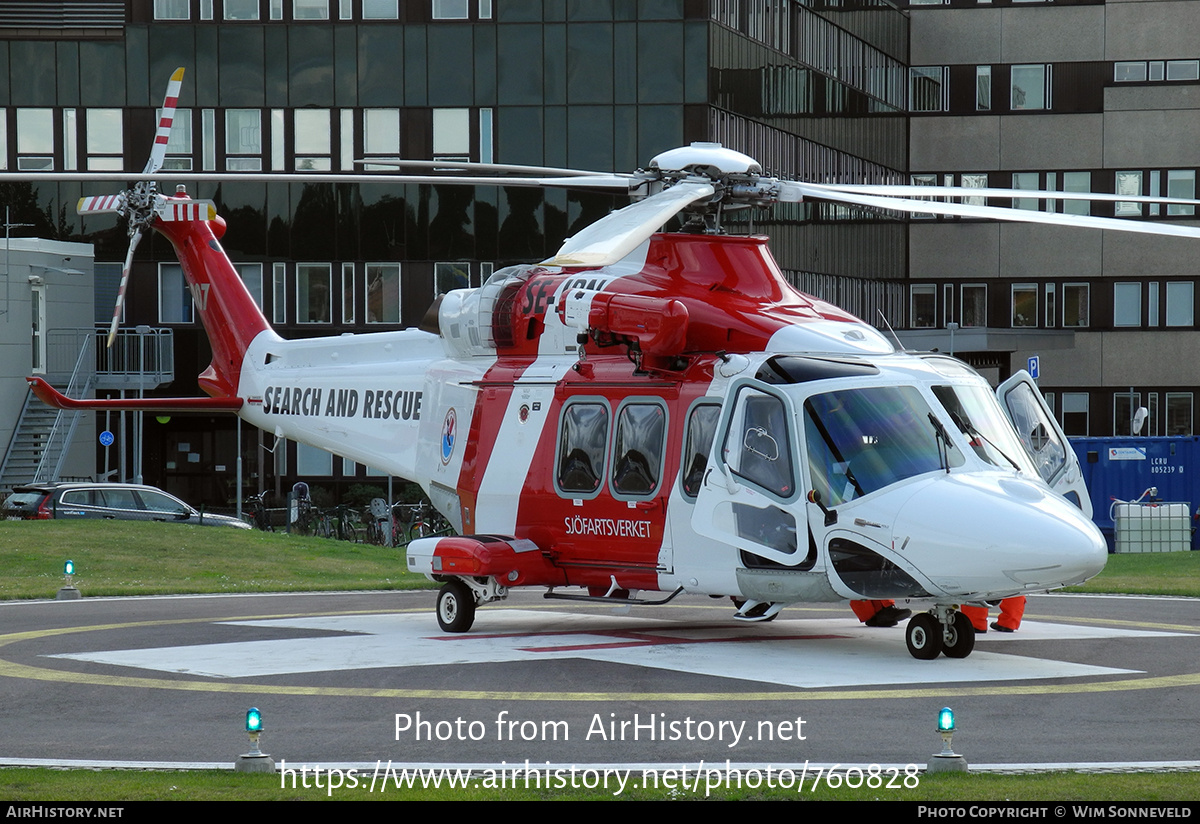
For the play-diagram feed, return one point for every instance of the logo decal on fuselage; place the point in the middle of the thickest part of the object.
(449, 432)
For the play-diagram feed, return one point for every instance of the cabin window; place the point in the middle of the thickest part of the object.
(702, 426)
(638, 449)
(583, 440)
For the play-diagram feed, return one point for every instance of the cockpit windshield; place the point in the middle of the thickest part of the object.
(862, 440)
(978, 416)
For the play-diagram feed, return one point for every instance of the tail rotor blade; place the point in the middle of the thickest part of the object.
(159, 152)
(133, 242)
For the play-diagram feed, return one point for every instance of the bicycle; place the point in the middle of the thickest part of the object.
(255, 511)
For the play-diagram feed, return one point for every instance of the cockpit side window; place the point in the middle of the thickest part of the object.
(582, 442)
(757, 446)
(862, 440)
(1036, 432)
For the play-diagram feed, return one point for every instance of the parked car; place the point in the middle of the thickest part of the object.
(124, 502)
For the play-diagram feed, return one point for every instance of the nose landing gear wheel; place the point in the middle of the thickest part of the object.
(924, 637)
(959, 638)
(455, 607)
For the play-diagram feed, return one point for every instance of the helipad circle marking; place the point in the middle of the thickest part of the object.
(12, 669)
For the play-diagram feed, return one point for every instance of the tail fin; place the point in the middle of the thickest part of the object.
(227, 310)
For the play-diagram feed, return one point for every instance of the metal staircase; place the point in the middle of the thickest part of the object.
(78, 363)
(43, 435)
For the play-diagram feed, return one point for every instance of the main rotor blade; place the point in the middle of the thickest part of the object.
(163, 134)
(810, 190)
(133, 242)
(588, 181)
(100, 204)
(481, 168)
(916, 191)
(611, 238)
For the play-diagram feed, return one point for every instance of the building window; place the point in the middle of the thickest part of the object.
(1179, 413)
(241, 9)
(1129, 183)
(450, 9)
(983, 88)
(279, 293)
(1129, 71)
(448, 276)
(1180, 305)
(1079, 182)
(1181, 183)
(383, 293)
(974, 305)
(313, 461)
(380, 10)
(314, 143)
(381, 135)
(105, 142)
(1075, 413)
(1076, 305)
(252, 277)
(1125, 405)
(312, 293)
(1127, 304)
(452, 134)
(243, 140)
(1183, 70)
(348, 293)
(1024, 304)
(310, 9)
(174, 298)
(179, 145)
(928, 89)
(1152, 302)
(1031, 87)
(1152, 417)
(171, 9)
(35, 140)
(922, 311)
(1030, 182)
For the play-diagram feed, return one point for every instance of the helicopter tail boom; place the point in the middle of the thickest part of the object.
(225, 307)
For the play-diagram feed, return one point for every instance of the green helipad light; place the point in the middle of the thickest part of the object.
(69, 568)
(946, 720)
(254, 722)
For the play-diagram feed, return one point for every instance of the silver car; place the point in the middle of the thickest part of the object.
(124, 502)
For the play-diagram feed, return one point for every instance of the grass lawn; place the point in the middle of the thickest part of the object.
(136, 558)
(1148, 573)
(127, 785)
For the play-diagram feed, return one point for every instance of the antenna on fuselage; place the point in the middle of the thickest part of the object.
(883, 318)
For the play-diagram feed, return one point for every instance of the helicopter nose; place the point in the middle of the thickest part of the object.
(980, 533)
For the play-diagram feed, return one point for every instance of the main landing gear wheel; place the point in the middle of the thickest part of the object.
(455, 607)
(959, 637)
(924, 636)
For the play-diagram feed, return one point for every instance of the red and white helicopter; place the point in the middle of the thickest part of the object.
(653, 412)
